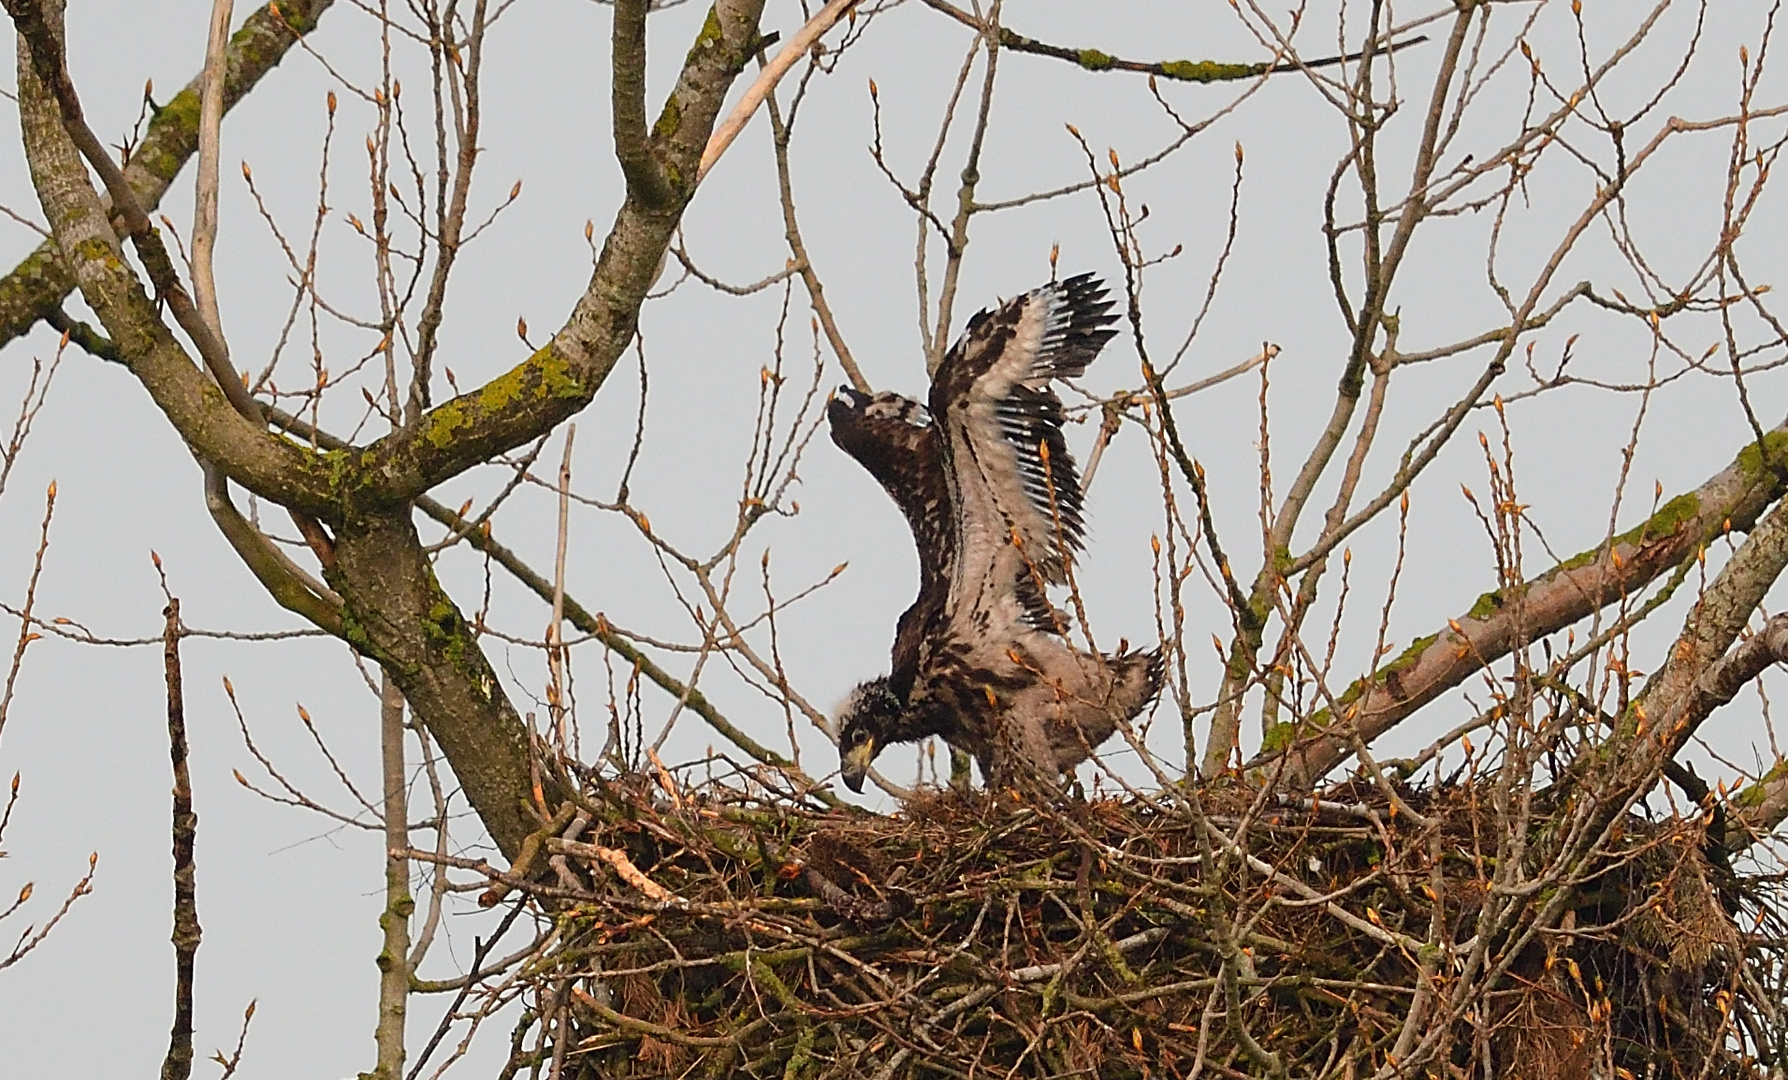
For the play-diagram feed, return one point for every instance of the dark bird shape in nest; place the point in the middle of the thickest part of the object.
(993, 499)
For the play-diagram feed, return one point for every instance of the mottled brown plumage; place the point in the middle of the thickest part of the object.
(981, 658)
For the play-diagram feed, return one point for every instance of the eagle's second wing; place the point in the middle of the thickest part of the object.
(894, 438)
(1015, 488)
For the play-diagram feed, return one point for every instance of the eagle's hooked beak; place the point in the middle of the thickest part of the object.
(853, 765)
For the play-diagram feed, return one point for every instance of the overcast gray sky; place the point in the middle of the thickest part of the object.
(289, 901)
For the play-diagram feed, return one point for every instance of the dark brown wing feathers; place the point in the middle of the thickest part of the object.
(893, 438)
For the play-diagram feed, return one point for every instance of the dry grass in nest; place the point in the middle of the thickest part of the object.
(726, 934)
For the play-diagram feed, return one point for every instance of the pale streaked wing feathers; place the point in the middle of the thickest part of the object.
(992, 395)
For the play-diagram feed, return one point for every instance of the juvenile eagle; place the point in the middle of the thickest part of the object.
(994, 502)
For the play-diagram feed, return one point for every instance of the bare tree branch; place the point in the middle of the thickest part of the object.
(394, 955)
(204, 215)
(35, 289)
(178, 1063)
(797, 47)
(1198, 71)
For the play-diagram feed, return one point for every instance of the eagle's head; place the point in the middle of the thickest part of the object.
(884, 405)
(864, 720)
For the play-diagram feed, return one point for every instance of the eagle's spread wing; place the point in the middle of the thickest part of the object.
(1015, 488)
(894, 439)
(994, 503)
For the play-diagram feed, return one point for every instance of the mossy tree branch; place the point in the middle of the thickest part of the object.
(1198, 71)
(40, 40)
(35, 289)
(1761, 809)
(192, 400)
(1704, 670)
(1733, 498)
(393, 608)
(561, 378)
(396, 612)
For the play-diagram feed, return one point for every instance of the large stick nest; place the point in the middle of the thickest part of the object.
(718, 933)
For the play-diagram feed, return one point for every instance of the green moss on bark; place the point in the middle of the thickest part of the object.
(710, 36)
(669, 120)
(1208, 71)
(172, 136)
